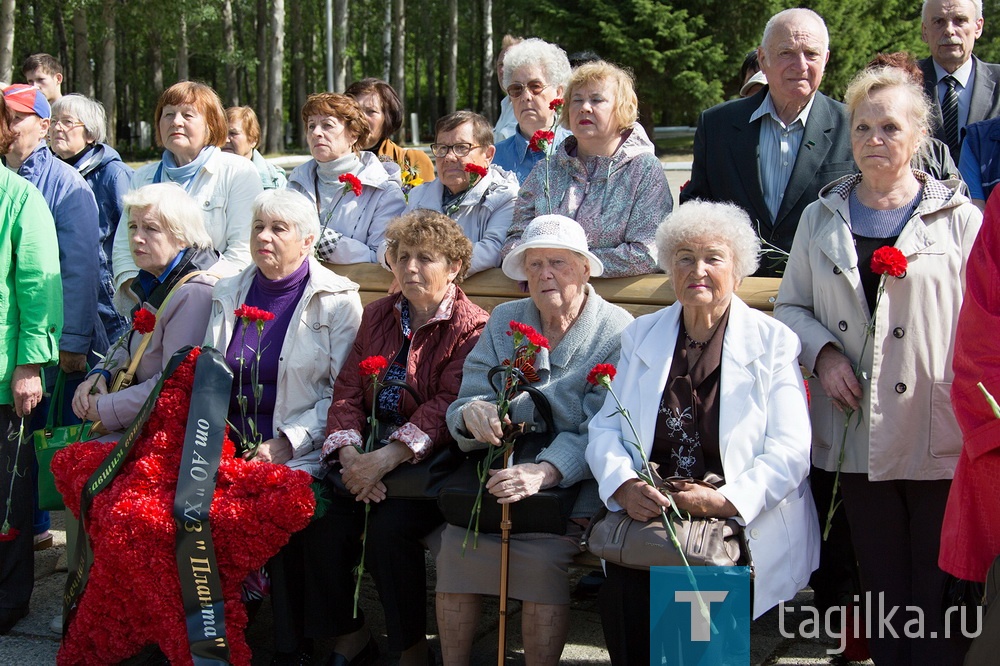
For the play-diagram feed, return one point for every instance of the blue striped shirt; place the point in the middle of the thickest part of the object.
(776, 150)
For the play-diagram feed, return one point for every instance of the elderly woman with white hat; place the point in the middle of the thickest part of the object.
(582, 330)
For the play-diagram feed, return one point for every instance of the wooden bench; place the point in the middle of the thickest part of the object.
(639, 295)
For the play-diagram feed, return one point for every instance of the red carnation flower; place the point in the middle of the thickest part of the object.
(601, 374)
(889, 261)
(373, 365)
(351, 182)
(538, 340)
(530, 334)
(475, 170)
(541, 140)
(556, 104)
(251, 314)
(144, 321)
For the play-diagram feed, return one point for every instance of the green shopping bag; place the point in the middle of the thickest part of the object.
(50, 439)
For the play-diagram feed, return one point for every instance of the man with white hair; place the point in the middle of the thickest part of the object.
(963, 88)
(771, 152)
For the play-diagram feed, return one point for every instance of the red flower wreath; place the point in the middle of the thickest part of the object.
(133, 595)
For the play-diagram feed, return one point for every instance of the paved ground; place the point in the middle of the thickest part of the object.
(31, 643)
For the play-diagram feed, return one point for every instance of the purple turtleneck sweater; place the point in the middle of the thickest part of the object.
(280, 297)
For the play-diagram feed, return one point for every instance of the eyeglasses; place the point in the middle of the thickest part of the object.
(66, 125)
(460, 149)
(515, 90)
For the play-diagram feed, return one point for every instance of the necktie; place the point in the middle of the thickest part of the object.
(949, 111)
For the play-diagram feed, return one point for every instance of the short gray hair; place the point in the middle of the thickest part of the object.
(699, 219)
(88, 111)
(976, 4)
(795, 12)
(291, 207)
(549, 57)
(180, 214)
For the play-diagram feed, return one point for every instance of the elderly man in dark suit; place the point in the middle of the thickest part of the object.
(964, 89)
(772, 152)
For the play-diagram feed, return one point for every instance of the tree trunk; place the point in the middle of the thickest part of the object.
(39, 13)
(399, 58)
(275, 93)
(229, 42)
(62, 43)
(156, 60)
(489, 73)
(108, 94)
(432, 100)
(182, 49)
(340, 21)
(387, 41)
(299, 89)
(452, 55)
(262, 62)
(6, 40)
(83, 76)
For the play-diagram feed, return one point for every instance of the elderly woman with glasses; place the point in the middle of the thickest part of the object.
(605, 176)
(534, 74)
(350, 188)
(483, 206)
(77, 137)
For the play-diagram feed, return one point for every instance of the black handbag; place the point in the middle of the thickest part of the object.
(546, 511)
(422, 480)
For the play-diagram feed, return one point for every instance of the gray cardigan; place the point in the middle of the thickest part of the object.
(594, 338)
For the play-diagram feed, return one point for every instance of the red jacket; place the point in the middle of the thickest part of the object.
(970, 537)
(434, 365)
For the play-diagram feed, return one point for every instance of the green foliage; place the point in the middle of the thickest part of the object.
(685, 54)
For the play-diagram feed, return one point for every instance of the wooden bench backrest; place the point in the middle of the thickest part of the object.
(639, 295)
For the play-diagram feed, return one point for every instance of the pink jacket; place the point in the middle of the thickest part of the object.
(183, 324)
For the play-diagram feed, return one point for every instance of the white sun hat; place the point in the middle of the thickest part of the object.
(551, 232)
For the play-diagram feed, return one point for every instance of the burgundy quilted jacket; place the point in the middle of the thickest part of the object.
(434, 367)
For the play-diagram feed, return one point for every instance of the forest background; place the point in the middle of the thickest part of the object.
(438, 54)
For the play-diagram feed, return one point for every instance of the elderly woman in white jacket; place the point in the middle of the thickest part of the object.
(354, 193)
(191, 127)
(284, 374)
(712, 387)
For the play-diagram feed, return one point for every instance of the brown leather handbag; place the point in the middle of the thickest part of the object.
(616, 537)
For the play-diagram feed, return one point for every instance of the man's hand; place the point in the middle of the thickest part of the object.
(70, 362)
(26, 385)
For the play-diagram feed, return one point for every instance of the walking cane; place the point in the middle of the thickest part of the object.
(504, 566)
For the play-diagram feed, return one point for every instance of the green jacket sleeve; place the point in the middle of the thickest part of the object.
(37, 288)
